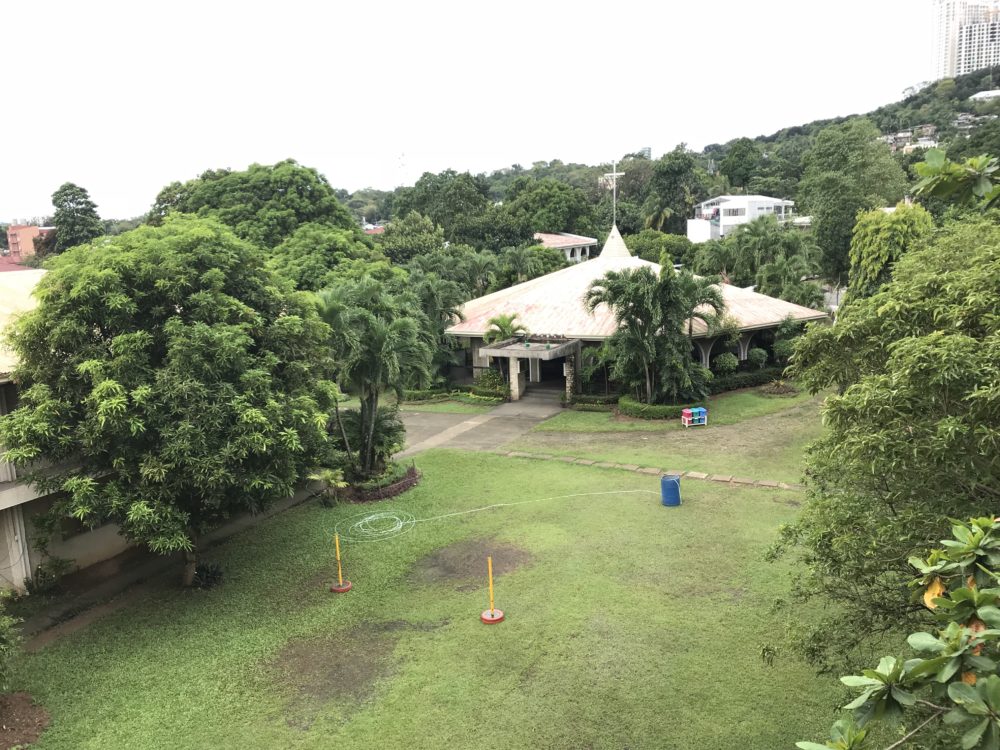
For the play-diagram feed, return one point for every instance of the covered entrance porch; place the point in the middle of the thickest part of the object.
(542, 354)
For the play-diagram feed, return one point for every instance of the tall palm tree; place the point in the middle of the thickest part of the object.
(652, 349)
(377, 347)
(522, 262)
(482, 272)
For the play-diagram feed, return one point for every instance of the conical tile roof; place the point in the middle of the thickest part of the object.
(614, 246)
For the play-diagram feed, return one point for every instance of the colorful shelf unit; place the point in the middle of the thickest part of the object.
(694, 416)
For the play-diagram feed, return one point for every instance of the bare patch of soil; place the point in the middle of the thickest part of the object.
(343, 668)
(465, 561)
(22, 721)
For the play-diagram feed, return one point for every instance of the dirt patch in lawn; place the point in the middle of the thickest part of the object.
(22, 721)
(465, 561)
(342, 669)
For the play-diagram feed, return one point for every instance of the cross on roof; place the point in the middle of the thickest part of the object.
(614, 174)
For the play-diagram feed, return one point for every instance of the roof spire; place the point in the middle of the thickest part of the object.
(614, 246)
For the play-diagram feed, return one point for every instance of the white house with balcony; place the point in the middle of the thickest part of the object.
(574, 247)
(715, 218)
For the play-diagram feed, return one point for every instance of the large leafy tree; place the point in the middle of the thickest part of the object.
(847, 170)
(912, 439)
(548, 205)
(172, 379)
(652, 345)
(263, 204)
(445, 198)
(879, 240)
(380, 344)
(676, 187)
(410, 236)
(743, 160)
(317, 253)
(76, 220)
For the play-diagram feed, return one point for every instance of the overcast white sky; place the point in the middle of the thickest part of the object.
(123, 98)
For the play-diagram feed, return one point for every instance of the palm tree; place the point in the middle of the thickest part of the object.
(500, 328)
(522, 262)
(503, 327)
(482, 272)
(652, 350)
(377, 347)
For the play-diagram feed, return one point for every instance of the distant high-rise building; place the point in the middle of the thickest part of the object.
(965, 36)
(646, 151)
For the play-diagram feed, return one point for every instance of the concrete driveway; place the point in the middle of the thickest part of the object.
(477, 432)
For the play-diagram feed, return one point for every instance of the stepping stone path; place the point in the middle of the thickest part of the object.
(655, 471)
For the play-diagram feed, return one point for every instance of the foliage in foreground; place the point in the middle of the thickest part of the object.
(174, 377)
(9, 639)
(956, 680)
(914, 437)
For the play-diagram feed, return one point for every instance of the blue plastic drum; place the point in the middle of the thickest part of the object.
(670, 490)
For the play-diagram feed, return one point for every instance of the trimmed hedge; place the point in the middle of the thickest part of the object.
(583, 398)
(746, 379)
(632, 408)
(592, 407)
(431, 394)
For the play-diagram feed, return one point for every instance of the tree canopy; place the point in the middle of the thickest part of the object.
(76, 220)
(172, 379)
(912, 439)
(262, 204)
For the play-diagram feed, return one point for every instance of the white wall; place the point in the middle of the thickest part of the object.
(699, 230)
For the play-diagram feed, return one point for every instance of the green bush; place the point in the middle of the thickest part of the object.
(783, 349)
(431, 394)
(747, 379)
(491, 380)
(757, 358)
(592, 407)
(8, 642)
(583, 398)
(632, 408)
(725, 364)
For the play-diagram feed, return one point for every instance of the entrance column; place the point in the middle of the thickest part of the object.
(535, 370)
(745, 339)
(515, 379)
(705, 348)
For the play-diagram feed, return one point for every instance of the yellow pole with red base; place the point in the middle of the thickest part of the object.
(341, 586)
(491, 615)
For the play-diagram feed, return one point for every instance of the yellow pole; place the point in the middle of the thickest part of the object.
(340, 575)
(489, 569)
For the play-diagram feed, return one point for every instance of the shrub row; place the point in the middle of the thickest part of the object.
(746, 379)
(592, 407)
(632, 408)
(431, 394)
(583, 398)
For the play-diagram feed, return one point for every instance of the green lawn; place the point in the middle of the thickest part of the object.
(446, 407)
(628, 625)
(728, 408)
(748, 435)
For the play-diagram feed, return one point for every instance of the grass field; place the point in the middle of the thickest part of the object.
(628, 625)
(748, 434)
(729, 408)
(446, 407)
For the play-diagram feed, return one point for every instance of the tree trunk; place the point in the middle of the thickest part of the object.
(190, 564)
(343, 434)
(649, 387)
(369, 412)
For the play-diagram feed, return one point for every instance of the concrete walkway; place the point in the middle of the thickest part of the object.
(480, 432)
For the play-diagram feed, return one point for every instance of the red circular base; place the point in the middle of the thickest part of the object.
(492, 616)
(341, 588)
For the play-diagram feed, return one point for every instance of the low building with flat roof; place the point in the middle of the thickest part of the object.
(574, 246)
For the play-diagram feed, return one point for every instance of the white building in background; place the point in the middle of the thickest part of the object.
(963, 40)
(715, 218)
(574, 246)
(979, 46)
